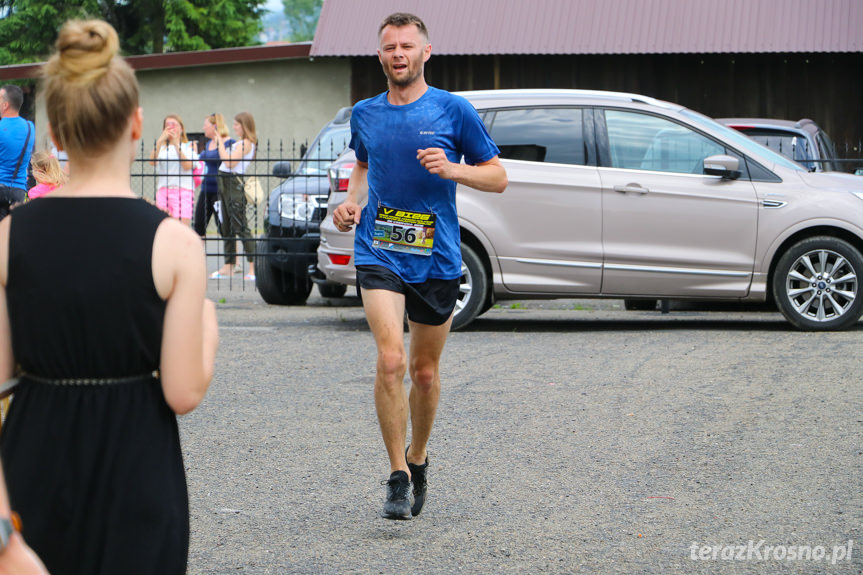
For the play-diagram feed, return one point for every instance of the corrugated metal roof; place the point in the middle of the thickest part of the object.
(349, 27)
(183, 59)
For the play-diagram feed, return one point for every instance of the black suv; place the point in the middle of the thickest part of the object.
(294, 213)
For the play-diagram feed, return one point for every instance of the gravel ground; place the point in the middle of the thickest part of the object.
(572, 437)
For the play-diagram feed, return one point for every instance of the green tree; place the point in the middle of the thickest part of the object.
(302, 18)
(28, 28)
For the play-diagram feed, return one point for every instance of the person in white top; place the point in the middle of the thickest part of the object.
(236, 162)
(174, 157)
(62, 157)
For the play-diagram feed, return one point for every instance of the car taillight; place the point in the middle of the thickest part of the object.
(340, 259)
(342, 176)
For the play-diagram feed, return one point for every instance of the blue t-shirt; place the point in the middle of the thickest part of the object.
(13, 131)
(212, 159)
(388, 137)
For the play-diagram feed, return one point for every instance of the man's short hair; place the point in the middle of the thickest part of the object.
(400, 19)
(14, 96)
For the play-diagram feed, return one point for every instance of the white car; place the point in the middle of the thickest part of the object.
(622, 196)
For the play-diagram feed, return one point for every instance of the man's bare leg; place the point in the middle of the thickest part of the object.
(427, 344)
(426, 347)
(385, 314)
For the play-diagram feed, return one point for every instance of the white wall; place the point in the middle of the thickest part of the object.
(290, 99)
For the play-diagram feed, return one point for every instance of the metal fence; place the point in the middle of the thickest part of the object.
(851, 154)
(843, 157)
(144, 176)
(268, 156)
(144, 183)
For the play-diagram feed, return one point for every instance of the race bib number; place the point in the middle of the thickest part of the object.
(403, 231)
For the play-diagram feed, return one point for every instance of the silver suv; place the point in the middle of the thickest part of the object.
(622, 196)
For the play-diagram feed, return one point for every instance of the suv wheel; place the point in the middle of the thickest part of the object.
(332, 289)
(816, 284)
(276, 286)
(473, 289)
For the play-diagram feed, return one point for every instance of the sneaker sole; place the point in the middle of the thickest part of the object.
(396, 517)
(417, 509)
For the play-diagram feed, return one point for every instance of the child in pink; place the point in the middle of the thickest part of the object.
(47, 172)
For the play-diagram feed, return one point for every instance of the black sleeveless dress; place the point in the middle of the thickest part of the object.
(93, 464)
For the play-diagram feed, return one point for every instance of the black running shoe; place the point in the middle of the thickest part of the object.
(399, 497)
(418, 478)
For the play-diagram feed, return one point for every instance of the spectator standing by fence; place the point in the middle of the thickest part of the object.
(17, 140)
(91, 446)
(236, 163)
(174, 157)
(214, 126)
(62, 157)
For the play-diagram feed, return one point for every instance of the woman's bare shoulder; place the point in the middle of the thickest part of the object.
(178, 256)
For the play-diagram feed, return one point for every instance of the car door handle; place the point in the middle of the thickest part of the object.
(631, 189)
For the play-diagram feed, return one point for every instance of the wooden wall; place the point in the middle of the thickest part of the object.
(827, 88)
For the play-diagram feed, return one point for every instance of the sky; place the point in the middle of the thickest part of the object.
(274, 5)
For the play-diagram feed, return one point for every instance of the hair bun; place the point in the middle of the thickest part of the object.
(90, 91)
(85, 49)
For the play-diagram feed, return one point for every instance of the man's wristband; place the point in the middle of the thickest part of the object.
(8, 525)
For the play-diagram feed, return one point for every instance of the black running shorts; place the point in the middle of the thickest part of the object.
(430, 302)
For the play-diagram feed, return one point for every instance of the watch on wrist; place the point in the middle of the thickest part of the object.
(8, 525)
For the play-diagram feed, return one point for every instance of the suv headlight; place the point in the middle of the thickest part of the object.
(296, 207)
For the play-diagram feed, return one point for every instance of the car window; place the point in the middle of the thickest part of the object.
(645, 142)
(324, 151)
(788, 144)
(744, 143)
(538, 134)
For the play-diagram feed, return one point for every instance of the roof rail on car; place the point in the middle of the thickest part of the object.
(539, 92)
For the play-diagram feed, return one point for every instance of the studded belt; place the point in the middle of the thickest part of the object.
(7, 387)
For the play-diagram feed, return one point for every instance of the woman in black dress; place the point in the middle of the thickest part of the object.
(108, 348)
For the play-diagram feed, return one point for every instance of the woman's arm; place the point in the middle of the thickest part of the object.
(16, 558)
(153, 153)
(160, 143)
(186, 160)
(237, 152)
(224, 153)
(7, 361)
(190, 335)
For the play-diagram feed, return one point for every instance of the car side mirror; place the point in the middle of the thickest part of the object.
(726, 167)
(282, 170)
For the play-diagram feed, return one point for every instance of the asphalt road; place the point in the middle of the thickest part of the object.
(572, 437)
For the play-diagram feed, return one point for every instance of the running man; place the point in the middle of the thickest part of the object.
(409, 143)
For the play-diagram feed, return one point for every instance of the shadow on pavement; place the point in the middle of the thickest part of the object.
(592, 324)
